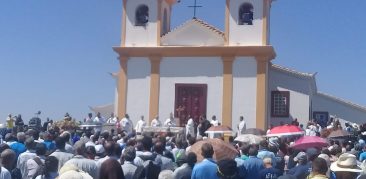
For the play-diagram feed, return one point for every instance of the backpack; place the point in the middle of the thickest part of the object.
(40, 169)
(152, 169)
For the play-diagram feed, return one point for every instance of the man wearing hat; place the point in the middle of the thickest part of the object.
(303, 168)
(345, 167)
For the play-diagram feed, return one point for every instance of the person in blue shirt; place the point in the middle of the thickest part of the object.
(19, 147)
(363, 155)
(207, 169)
(265, 153)
(253, 165)
(48, 142)
(269, 172)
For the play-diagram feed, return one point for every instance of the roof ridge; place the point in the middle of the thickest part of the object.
(289, 70)
(199, 21)
(348, 102)
(211, 27)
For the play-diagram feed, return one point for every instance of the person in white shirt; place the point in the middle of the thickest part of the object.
(89, 119)
(112, 119)
(170, 121)
(140, 125)
(242, 125)
(190, 127)
(156, 122)
(98, 118)
(214, 121)
(126, 124)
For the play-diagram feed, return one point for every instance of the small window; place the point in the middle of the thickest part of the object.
(142, 15)
(246, 14)
(280, 103)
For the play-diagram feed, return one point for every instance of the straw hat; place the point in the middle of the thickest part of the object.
(345, 163)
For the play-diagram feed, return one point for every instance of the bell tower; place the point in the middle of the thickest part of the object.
(247, 22)
(145, 21)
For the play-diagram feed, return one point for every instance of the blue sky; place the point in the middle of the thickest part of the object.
(56, 56)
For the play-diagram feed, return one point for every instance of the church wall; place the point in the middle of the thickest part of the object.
(192, 70)
(246, 34)
(140, 35)
(299, 89)
(244, 91)
(138, 88)
(339, 109)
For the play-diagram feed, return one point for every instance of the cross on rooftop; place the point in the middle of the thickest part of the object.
(195, 6)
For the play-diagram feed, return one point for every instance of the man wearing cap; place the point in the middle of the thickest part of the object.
(302, 170)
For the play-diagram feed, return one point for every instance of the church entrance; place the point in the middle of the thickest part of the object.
(190, 101)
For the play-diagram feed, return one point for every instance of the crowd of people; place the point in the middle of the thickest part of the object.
(127, 152)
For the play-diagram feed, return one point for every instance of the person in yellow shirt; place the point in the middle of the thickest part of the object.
(10, 122)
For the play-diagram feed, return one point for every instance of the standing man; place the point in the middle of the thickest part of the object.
(10, 122)
(126, 124)
(98, 118)
(170, 121)
(156, 122)
(140, 125)
(242, 125)
(190, 127)
(112, 119)
(214, 121)
(207, 168)
(89, 119)
(204, 125)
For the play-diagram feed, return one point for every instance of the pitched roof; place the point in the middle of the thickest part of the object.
(340, 100)
(202, 23)
(293, 72)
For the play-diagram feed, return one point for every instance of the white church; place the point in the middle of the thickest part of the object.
(196, 69)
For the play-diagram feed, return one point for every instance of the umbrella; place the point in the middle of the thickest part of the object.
(249, 138)
(219, 129)
(254, 131)
(338, 133)
(285, 130)
(223, 150)
(308, 142)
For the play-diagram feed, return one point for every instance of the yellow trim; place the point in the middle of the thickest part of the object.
(266, 6)
(124, 19)
(181, 51)
(262, 80)
(154, 87)
(227, 22)
(122, 87)
(227, 98)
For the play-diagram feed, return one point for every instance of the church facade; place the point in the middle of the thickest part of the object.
(197, 69)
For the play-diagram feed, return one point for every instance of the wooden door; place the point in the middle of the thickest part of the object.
(190, 100)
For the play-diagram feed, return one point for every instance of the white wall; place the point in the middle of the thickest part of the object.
(341, 110)
(245, 91)
(138, 87)
(246, 34)
(299, 89)
(193, 70)
(139, 35)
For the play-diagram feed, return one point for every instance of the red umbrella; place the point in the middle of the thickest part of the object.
(308, 142)
(285, 131)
